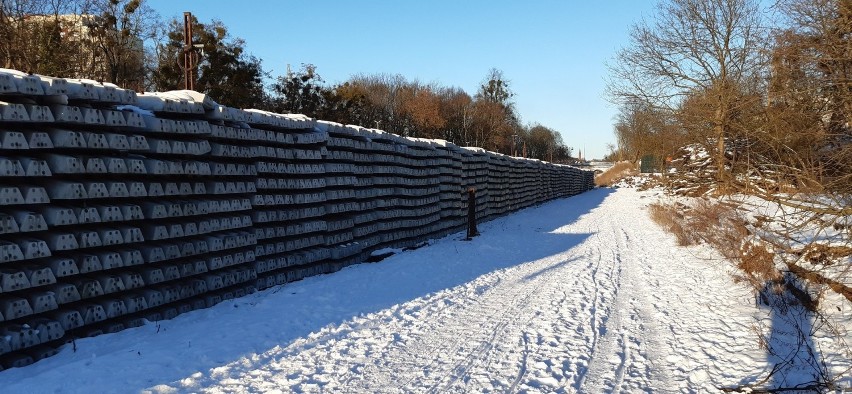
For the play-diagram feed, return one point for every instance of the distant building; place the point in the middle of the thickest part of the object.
(102, 53)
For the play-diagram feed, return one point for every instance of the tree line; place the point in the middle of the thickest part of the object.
(126, 43)
(765, 92)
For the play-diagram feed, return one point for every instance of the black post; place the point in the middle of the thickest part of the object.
(471, 213)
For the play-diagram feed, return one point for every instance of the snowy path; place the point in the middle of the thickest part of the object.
(579, 295)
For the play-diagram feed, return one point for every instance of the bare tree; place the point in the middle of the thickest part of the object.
(34, 36)
(119, 30)
(713, 48)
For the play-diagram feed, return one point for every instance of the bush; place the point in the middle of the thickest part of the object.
(616, 173)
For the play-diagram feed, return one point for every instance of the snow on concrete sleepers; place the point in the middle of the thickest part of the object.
(117, 208)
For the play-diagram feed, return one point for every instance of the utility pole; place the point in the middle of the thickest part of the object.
(188, 53)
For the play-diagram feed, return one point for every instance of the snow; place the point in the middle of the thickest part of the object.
(579, 294)
(135, 109)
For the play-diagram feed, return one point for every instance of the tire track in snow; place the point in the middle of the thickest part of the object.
(606, 330)
(571, 321)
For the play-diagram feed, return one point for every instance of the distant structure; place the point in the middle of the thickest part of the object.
(103, 53)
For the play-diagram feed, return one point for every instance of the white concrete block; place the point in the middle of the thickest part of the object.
(15, 307)
(35, 167)
(63, 164)
(29, 84)
(66, 114)
(116, 165)
(43, 302)
(63, 267)
(20, 336)
(96, 190)
(66, 293)
(117, 141)
(38, 140)
(53, 85)
(135, 166)
(155, 232)
(171, 189)
(185, 189)
(92, 116)
(34, 248)
(89, 263)
(49, 330)
(31, 195)
(131, 235)
(132, 212)
(94, 165)
(67, 139)
(132, 257)
(156, 167)
(67, 191)
(190, 127)
(113, 309)
(88, 287)
(11, 112)
(7, 82)
(13, 140)
(110, 237)
(11, 167)
(109, 213)
(171, 272)
(89, 239)
(81, 90)
(117, 189)
(91, 313)
(30, 221)
(96, 140)
(153, 297)
(111, 283)
(69, 319)
(13, 279)
(135, 302)
(133, 119)
(8, 225)
(59, 242)
(178, 126)
(187, 249)
(159, 146)
(109, 94)
(138, 142)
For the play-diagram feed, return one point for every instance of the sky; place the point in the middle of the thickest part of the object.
(553, 52)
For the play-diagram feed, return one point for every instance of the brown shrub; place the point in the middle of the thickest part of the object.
(615, 173)
(671, 219)
(722, 227)
(822, 254)
(758, 265)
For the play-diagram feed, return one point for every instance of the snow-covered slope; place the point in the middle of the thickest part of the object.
(579, 294)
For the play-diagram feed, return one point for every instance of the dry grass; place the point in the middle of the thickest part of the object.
(723, 228)
(758, 265)
(616, 173)
(821, 254)
(669, 217)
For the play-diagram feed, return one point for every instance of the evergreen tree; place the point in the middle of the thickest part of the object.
(225, 71)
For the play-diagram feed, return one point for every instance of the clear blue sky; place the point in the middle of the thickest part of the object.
(553, 51)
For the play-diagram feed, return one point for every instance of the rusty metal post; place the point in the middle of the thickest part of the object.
(188, 52)
(471, 214)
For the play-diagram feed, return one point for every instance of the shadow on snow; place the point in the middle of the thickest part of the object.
(249, 332)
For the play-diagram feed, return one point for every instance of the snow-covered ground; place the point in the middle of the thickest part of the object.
(583, 294)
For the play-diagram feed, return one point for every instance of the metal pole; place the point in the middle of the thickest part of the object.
(471, 214)
(188, 66)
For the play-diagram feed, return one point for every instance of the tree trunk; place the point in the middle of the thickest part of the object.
(720, 129)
